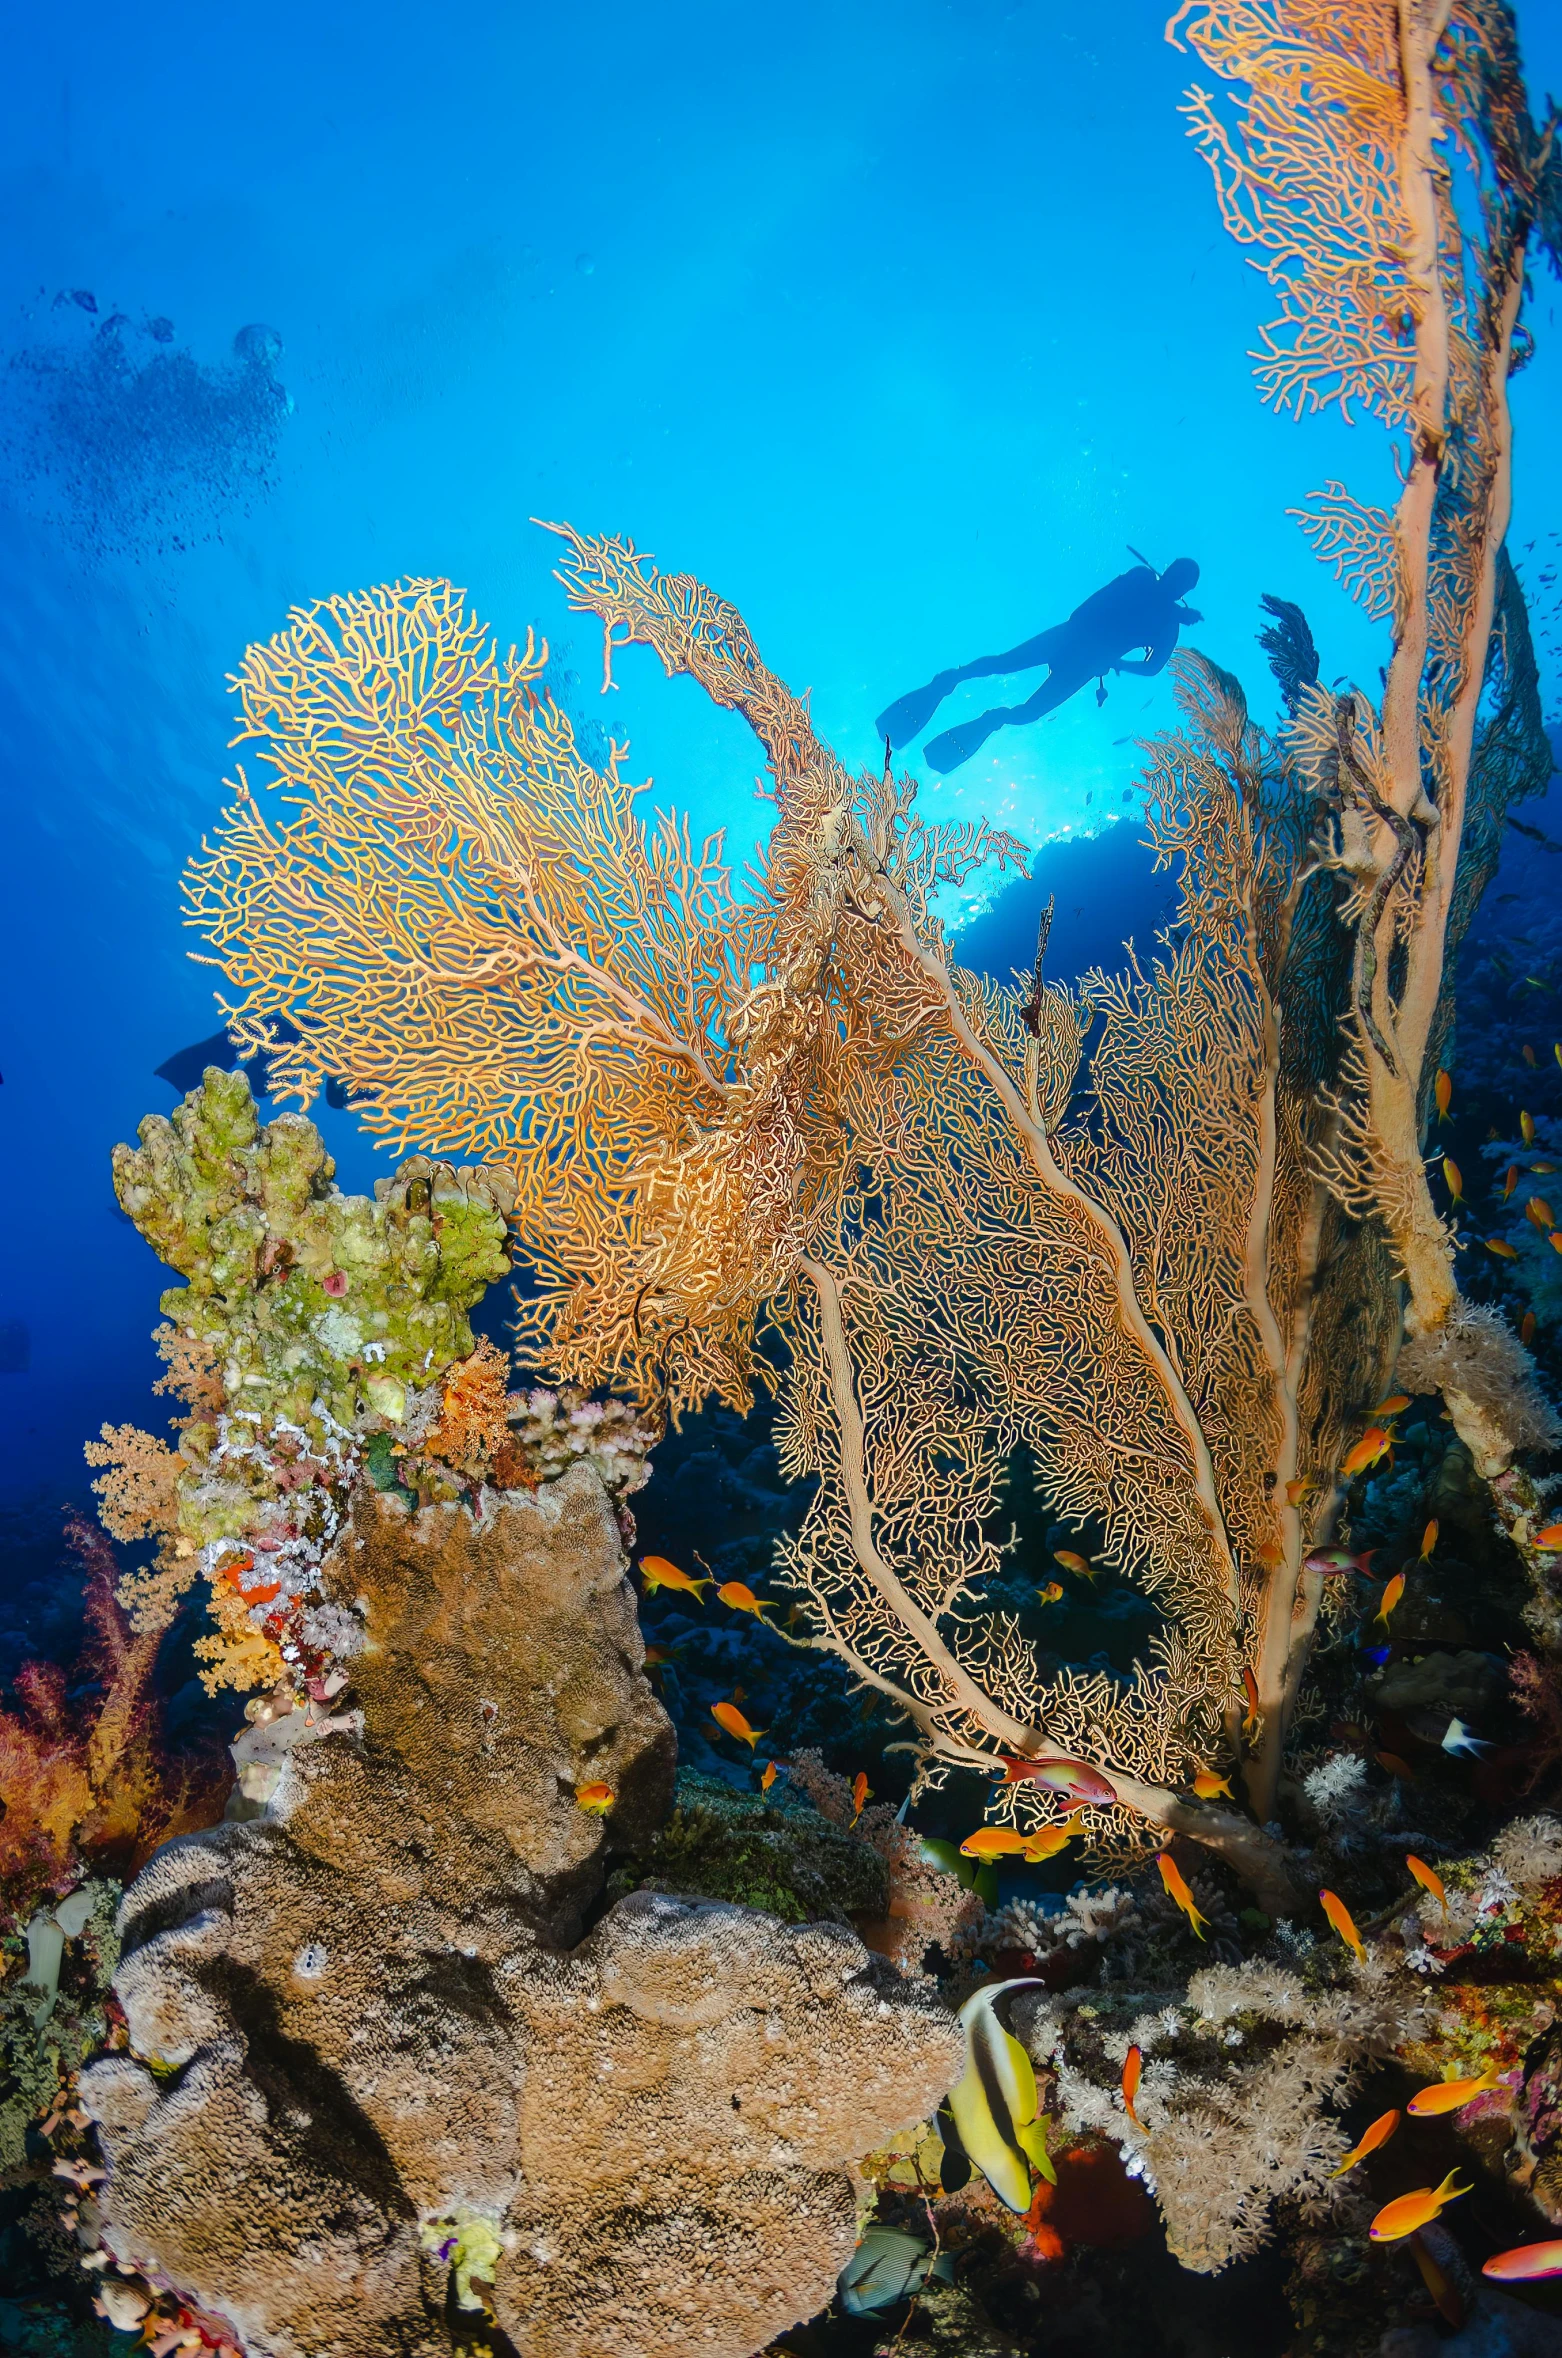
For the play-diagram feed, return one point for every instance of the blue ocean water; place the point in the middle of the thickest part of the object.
(898, 323)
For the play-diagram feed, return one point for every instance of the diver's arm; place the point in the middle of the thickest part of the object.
(1156, 659)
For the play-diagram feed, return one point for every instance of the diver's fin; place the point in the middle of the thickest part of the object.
(909, 716)
(947, 752)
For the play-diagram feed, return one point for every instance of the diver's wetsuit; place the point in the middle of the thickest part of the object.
(1139, 609)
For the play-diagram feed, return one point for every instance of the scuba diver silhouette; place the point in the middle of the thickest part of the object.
(1139, 609)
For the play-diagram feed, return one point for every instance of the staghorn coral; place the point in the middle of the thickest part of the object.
(391, 2093)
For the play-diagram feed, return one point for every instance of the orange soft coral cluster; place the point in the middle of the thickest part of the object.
(137, 1494)
(473, 1434)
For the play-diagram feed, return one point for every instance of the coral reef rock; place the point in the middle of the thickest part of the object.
(368, 2089)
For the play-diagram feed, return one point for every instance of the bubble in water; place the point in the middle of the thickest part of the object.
(585, 264)
(259, 344)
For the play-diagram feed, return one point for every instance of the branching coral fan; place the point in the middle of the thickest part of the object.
(1166, 1266)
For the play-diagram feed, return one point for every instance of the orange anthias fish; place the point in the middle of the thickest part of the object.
(1428, 1539)
(1428, 1879)
(1177, 1889)
(1451, 2095)
(1527, 1128)
(1250, 1690)
(657, 1573)
(1380, 2132)
(769, 1777)
(1501, 1247)
(1528, 1054)
(1394, 1405)
(1079, 1565)
(1410, 2211)
(1454, 1181)
(1133, 2065)
(732, 1722)
(860, 1791)
(1004, 1842)
(1391, 1596)
(1343, 1921)
(1396, 1765)
(1539, 1214)
(595, 1800)
(1510, 1180)
(1551, 1537)
(1374, 1443)
(1051, 1593)
(1076, 1780)
(1443, 1090)
(1296, 1491)
(1527, 1326)
(741, 1598)
(1209, 1782)
(1524, 2263)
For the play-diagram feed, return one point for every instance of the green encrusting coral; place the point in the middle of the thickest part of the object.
(772, 1851)
(313, 1299)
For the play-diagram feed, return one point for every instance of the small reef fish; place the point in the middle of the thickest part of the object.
(1343, 1921)
(1459, 1739)
(657, 1657)
(1453, 1180)
(1209, 1782)
(1079, 1565)
(1443, 1090)
(1374, 1443)
(1051, 1593)
(657, 1573)
(1394, 1405)
(595, 1800)
(1451, 2095)
(1550, 1537)
(1527, 1326)
(1177, 1890)
(1528, 1054)
(1337, 1559)
(741, 1598)
(1133, 2065)
(1395, 1765)
(1510, 1180)
(1428, 1539)
(1250, 1690)
(1003, 1842)
(1527, 1128)
(1076, 1780)
(1428, 1879)
(1555, 1240)
(1525, 2263)
(1271, 1556)
(1380, 2132)
(732, 1722)
(1296, 1491)
(772, 1771)
(1391, 1596)
(860, 1791)
(1410, 2211)
(1543, 1170)
(1539, 1214)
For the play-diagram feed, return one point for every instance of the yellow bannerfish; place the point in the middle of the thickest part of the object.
(1380, 2132)
(1428, 1880)
(657, 1573)
(1451, 2095)
(595, 1800)
(1209, 1782)
(994, 2103)
(741, 1598)
(1410, 2211)
(1177, 1890)
(732, 1722)
(1343, 1921)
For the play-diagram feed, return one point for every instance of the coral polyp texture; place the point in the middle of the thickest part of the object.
(371, 2093)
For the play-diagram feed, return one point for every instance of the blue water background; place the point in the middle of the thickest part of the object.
(896, 323)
